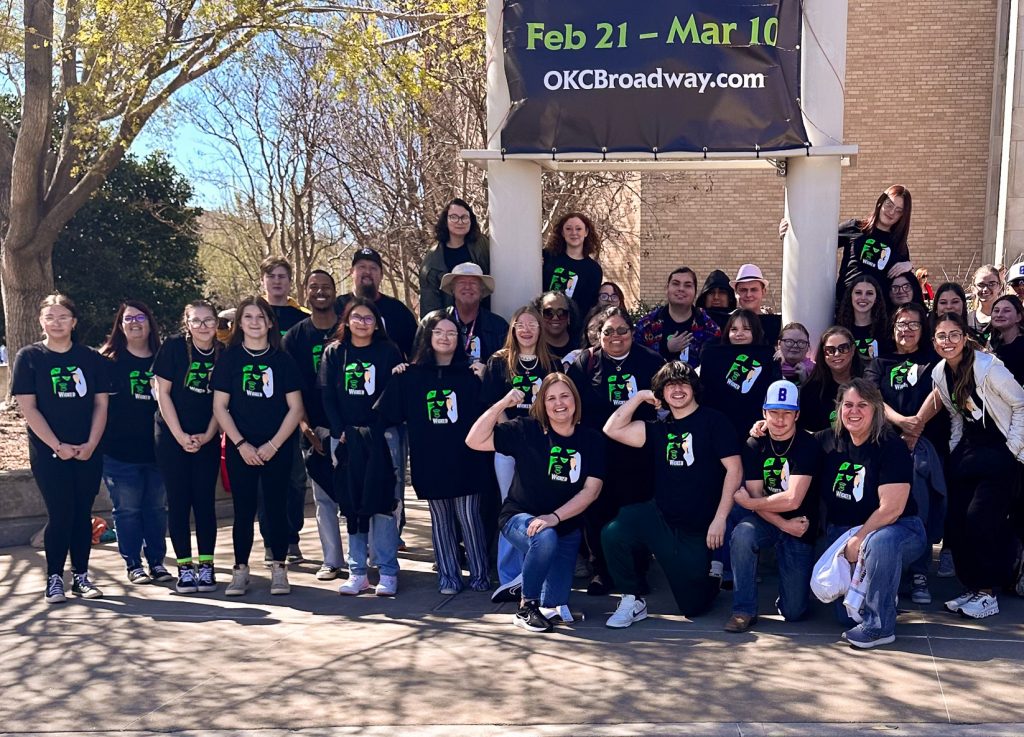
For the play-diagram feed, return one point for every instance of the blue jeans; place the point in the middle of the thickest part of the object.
(140, 510)
(548, 560)
(795, 557)
(383, 537)
(887, 553)
(510, 560)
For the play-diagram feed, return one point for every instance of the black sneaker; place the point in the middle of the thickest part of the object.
(82, 586)
(530, 619)
(294, 554)
(186, 579)
(510, 591)
(160, 574)
(598, 587)
(138, 575)
(206, 579)
(55, 589)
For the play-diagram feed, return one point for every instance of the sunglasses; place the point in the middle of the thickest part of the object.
(555, 312)
(831, 350)
(621, 330)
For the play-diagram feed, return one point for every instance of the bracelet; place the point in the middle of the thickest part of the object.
(240, 443)
(271, 444)
(557, 517)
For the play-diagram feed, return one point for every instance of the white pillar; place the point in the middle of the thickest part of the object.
(812, 183)
(513, 192)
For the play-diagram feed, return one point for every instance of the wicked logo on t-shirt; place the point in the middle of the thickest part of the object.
(875, 254)
(442, 406)
(849, 482)
(529, 385)
(867, 347)
(258, 380)
(318, 352)
(68, 382)
(969, 410)
(621, 387)
(197, 378)
(564, 464)
(564, 280)
(140, 385)
(904, 375)
(775, 473)
(743, 373)
(679, 449)
(360, 378)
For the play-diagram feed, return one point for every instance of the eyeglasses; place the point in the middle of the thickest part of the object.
(908, 325)
(954, 337)
(986, 286)
(450, 334)
(613, 297)
(525, 326)
(129, 319)
(61, 320)
(891, 207)
(831, 350)
(790, 343)
(899, 288)
(555, 312)
(458, 218)
(361, 319)
(621, 330)
(206, 322)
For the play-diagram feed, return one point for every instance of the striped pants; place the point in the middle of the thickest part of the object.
(444, 515)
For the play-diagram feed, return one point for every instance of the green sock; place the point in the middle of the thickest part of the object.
(184, 562)
(206, 559)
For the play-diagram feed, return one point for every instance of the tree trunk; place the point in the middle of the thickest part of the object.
(26, 277)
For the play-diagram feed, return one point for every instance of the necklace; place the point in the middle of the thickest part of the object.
(201, 352)
(617, 361)
(528, 363)
(783, 453)
(258, 353)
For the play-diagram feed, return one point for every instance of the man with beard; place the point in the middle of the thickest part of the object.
(367, 274)
(481, 331)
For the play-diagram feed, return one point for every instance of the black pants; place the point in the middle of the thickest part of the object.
(980, 496)
(298, 487)
(246, 484)
(191, 482)
(68, 489)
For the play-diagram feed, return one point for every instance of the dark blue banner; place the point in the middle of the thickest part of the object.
(690, 75)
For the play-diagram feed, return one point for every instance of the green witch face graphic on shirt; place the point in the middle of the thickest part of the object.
(564, 464)
(743, 373)
(903, 375)
(563, 280)
(68, 382)
(849, 482)
(867, 347)
(140, 385)
(875, 254)
(679, 449)
(621, 387)
(529, 385)
(360, 378)
(442, 406)
(258, 380)
(775, 474)
(197, 378)
(318, 352)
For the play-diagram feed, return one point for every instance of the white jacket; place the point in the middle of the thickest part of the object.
(1002, 396)
(833, 576)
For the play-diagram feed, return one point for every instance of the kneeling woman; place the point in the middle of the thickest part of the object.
(560, 467)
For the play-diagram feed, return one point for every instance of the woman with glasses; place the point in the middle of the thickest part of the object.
(445, 472)
(904, 289)
(988, 285)
(1006, 326)
(558, 322)
(130, 471)
(257, 402)
(570, 260)
(863, 313)
(459, 241)
(835, 363)
(986, 405)
(610, 295)
(61, 388)
(791, 353)
(354, 372)
(187, 443)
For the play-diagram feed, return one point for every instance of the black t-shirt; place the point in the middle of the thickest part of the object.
(305, 343)
(399, 322)
(191, 393)
(851, 475)
(527, 380)
(688, 472)
(736, 380)
(65, 386)
(439, 404)
(550, 469)
(258, 386)
(352, 379)
(580, 280)
(455, 256)
(773, 463)
(606, 384)
(1012, 354)
(129, 435)
(871, 253)
(978, 431)
(868, 344)
(771, 325)
(671, 327)
(288, 317)
(818, 404)
(905, 379)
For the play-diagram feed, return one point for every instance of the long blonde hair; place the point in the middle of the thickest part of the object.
(510, 352)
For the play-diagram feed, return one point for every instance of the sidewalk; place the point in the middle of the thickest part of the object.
(145, 659)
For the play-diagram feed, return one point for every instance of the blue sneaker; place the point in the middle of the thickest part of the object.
(860, 638)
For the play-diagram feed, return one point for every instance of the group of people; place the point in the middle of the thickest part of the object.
(569, 440)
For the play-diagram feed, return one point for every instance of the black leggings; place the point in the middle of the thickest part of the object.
(191, 481)
(246, 482)
(68, 489)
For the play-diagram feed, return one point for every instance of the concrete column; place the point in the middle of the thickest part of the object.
(513, 192)
(1009, 235)
(812, 183)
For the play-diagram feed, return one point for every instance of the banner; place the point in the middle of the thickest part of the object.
(683, 75)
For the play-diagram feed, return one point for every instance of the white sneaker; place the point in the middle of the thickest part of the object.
(354, 586)
(388, 586)
(630, 609)
(559, 614)
(279, 578)
(239, 581)
(953, 605)
(980, 606)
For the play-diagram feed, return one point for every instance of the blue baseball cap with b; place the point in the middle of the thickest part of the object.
(783, 395)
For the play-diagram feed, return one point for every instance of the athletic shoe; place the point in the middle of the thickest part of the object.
(55, 589)
(139, 575)
(388, 586)
(860, 639)
(630, 610)
(355, 585)
(582, 569)
(239, 581)
(206, 577)
(953, 605)
(717, 569)
(82, 586)
(919, 593)
(530, 619)
(159, 573)
(294, 554)
(268, 556)
(448, 591)
(279, 579)
(187, 583)
(980, 606)
(327, 573)
(561, 614)
(740, 623)
(946, 567)
(510, 591)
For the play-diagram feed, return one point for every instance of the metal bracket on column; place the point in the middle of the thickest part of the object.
(781, 166)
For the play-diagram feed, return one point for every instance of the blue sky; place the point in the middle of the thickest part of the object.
(190, 153)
